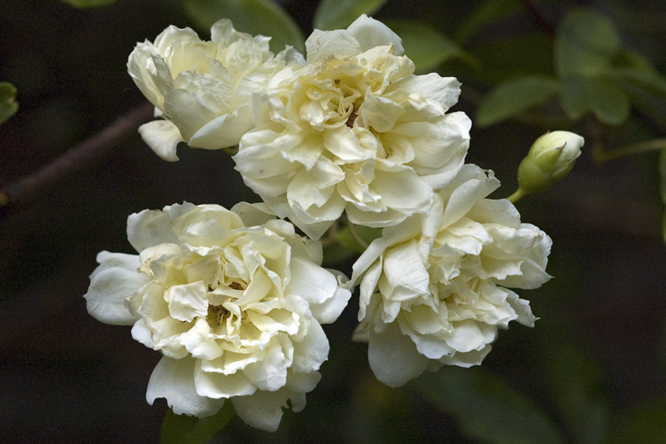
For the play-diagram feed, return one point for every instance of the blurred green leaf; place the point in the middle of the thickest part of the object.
(488, 12)
(338, 14)
(577, 389)
(514, 56)
(510, 99)
(88, 3)
(649, 80)
(425, 45)
(252, 16)
(586, 43)
(646, 423)
(646, 88)
(183, 429)
(8, 103)
(487, 408)
(609, 103)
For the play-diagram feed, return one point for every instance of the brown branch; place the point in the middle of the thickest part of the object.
(77, 157)
(538, 18)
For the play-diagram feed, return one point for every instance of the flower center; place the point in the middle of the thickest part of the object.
(351, 119)
(216, 313)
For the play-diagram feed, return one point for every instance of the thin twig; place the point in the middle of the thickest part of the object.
(601, 155)
(539, 18)
(26, 188)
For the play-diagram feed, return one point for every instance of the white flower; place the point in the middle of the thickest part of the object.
(354, 130)
(232, 299)
(432, 290)
(202, 88)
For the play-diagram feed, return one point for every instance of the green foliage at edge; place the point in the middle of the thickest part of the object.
(338, 14)
(183, 429)
(426, 46)
(8, 103)
(488, 12)
(510, 99)
(88, 3)
(586, 49)
(487, 408)
(252, 16)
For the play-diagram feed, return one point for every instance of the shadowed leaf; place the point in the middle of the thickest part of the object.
(512, 98)
(487, 408)
(338, 14)
(8, 104)
(252, 16)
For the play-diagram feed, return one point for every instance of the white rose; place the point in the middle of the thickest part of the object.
(354, 130)
(432, 289)
(232, 299)
(202, 88)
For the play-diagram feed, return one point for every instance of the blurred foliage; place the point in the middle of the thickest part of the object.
(252, 16)
(337, 14)
(487, 408)
(426, 46)
(597, 71)
(8, 104)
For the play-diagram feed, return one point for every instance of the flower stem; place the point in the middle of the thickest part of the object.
(26, 188)
(601, 155)
(515, 197)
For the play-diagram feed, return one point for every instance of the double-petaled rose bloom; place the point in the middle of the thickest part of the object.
(233, 300)
(202, 89)
(355, 131)
(433, 290)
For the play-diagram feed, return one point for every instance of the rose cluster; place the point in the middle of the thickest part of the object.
(234, 300)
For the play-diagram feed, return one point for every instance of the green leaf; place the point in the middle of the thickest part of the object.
(646, 87)
(586, 43)
(510, 99)
(88, 3)
(426, 46)
(578, 392)
(338, 14)
(252, 16)
(487, 408)
(8, 103)
(609, 103)
(183, 429)
(488, 12)
(514, 56)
